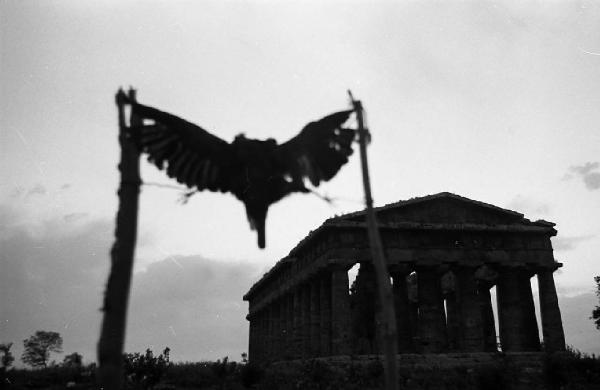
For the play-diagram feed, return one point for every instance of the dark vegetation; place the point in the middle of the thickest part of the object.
(570, 370)
(141, 371)
(38, 348)
(596, 311)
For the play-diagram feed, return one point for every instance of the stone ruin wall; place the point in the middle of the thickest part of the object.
(442, 273)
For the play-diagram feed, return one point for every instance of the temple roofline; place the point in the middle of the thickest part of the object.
(343, 221)
(419, 199)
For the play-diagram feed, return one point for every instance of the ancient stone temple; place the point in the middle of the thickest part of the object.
(444, 254)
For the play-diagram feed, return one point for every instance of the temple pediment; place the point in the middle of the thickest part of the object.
(444, 207)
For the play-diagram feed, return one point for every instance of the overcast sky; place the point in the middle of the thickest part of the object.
(495, 101)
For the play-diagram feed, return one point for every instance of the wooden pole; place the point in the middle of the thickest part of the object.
(116, 297)
(384, 286)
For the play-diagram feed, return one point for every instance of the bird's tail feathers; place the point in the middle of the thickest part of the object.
(261, 237)
(257, 223)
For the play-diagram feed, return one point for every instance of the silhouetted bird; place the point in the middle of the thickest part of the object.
(257, 172)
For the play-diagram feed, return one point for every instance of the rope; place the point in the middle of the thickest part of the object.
(161, 185)
(186, 194)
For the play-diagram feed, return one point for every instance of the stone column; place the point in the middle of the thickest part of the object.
(552, 329)
(365, 313)
(292, 324)
(453, 321)
(266, 334)
(282, 326)
(402, 307)
(269, 332)
(432, 319)
(378, 341)
(325, 318)
(289, 344)
(276, 338)
(532, 340)
(471, 320)
(450, 295)
(315, 319)
(487, 313)
(252, 339)
(412, 285)
(340, 312)
(516, 311)
(298, 323)
(306, 320)
(260, 336)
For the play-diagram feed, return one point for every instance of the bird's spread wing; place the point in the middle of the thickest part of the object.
(320, 150)
(192, 155)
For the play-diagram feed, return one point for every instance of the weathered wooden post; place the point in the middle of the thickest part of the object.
(206, 155)
(116, 296)
(384, 287)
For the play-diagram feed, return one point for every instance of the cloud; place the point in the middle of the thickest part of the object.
(589, 173)
(19, 191)
(193, 305)
(592, 180)
(580, 331)
(523, 204)
(16, 192)
(8, 218)
(569, 243)
(54, 279)
(38, 189)
(585, 169)
(72, 217)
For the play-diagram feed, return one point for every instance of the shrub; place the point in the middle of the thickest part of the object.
(221, 374)
(250, 374)
(571, 370)
(54, 377)
(144, 371)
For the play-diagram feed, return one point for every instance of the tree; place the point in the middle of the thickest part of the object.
(596, 311)
(38, 348)
(74, 360)
(7, 356)
(145, 370)
(5, 361)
